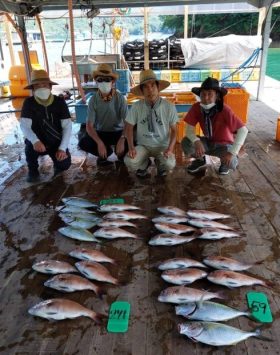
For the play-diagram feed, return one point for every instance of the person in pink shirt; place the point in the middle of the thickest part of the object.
(224, 132)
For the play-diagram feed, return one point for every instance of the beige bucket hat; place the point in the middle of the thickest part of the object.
(147, 75)
(104, 69)
(39, 76)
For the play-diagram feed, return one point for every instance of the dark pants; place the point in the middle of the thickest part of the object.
(32, 157)
(110, 139)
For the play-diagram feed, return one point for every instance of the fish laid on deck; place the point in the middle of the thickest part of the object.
(223, 263)
(204, 214)
(124, 215)
(77, 233)
(79, 222)
(116, 223)
(184, 276)
(207, 223)
(216, 233)
(95, 271)
(58, 309)
(91, 255)
(79, 202)
(84, 215)
(182, 294)
(72, 283)
(117, 207)
(171, 210)
(216, 334)
(174, 228)
(179, 263)
(74, 209)
(170, 219)
(235, 279)
(53, 267)
(113, 233)
(170, 239)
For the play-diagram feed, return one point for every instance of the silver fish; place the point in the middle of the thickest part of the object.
(117, 207)
(235, 279)
(183, 276)
(58, 309)
(203, 214)
(170, 219)
(53, 267)
(174, 228)
(79, 223)
(124, 215)
(223, 263)
(91, 255)
(171, 210)
(179, 263)
(84, 215)
(208, 311)
(95, 271)
(113, 233)
(78, 202)
(170, 239)
(216, 233)
(116, 223)
(73, 209)
(205, 223)
(72, 283)
(216, 334)
(183, 294)
(77, 233)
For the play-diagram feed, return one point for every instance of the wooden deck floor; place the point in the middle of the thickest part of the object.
(28, 232)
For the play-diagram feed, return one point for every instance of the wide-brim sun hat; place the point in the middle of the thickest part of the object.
(145, 76)
(104, 69)
(38, 77)
(210, 84)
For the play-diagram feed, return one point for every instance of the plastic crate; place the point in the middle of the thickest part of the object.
(216, 74)
(158, 74)
(204, 74)
(123, 82)
(165, 75)
(255, 74)
(236, 76)
(185, 97)
(238, 100)
(181, 131)
(190, 76)
(226, 74)
(175, 76)
(81, 109)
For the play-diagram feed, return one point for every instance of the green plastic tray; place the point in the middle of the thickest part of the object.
(118, 317)
(111, 201)
(259, 306)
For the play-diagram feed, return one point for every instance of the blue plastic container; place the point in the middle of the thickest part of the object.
(81, 109)
(123, 82)
(190, 75)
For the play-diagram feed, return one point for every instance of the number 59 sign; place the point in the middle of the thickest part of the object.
(259, 307)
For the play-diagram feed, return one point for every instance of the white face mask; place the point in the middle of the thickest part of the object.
(104, 87)
(207, 107)
(42, 93)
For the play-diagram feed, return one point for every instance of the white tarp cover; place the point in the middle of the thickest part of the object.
(219, 52)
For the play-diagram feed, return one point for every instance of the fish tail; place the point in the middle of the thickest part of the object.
(268, 284)
(221, 295)
(257, 333)
(258, 262)
(99, 292)
(97, 317)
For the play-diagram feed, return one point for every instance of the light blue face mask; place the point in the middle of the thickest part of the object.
(208, 106)
(42, 93)
(104, 87)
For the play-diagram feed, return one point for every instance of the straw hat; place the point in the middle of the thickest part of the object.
(104, 69)
(38, 77)
(210, 84)
(145, 76)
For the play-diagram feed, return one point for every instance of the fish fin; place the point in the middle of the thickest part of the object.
(200, 302)
(258, 335)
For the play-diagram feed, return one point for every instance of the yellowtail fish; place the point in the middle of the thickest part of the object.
(235, 279)
(53, 267)
(223, 263)
(77, 233)
(124, 215)
(174, 228)
(216, 233)
(170, 219)
(58, 309)
(216, 334)
(72, 283)
(116, 223)
(73, 209)
(95, 271)
(79, 202)
(179, 263)
(183, 294)
(84, 215)
(205, 223)
(91, 255)
(203, 214)
(117, 207)
(209, 311)
(183, 276)
(171, 210)
(170, 239)
(113, 233)
(80, 223)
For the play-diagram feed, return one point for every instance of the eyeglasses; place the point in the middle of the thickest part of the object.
(102, 80)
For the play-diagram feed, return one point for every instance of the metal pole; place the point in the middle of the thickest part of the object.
(25, 49)
(10, 41)
(186, 22)
(146, 41)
